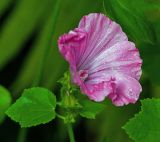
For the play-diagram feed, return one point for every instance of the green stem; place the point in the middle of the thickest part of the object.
(22, 135)
(60, 116)
(70, 132)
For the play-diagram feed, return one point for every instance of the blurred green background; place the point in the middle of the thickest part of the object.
(29, 30)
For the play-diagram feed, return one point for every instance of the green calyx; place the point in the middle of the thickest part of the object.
(73, 103)
(69, 104)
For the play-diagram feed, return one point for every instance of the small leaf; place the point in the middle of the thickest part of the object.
(90, 109)
(67, 87)
(35, 106)
(5, 101)
(65, 81)
(145, 126)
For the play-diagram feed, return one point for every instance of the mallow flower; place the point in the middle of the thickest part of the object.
(103, 63)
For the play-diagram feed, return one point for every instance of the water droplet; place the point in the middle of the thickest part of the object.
(131, 92)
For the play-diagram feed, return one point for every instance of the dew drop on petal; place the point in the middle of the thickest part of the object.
(131, 92)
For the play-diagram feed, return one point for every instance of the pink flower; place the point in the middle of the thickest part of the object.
(102, 60)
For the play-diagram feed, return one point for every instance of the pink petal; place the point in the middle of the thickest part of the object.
(126, 90)
(97, 92)
(122, 57)
(102, 33)
(70, 44)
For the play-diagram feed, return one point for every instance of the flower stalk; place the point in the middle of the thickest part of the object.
(70, 132)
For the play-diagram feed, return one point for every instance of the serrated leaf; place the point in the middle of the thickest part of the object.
(90, 109)
(35, 106)
(5, 101)
(145, 126)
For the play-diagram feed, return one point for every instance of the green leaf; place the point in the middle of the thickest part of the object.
(89, 108)
(145, 126)
(35, 106)
(5, 101)
(130, 16)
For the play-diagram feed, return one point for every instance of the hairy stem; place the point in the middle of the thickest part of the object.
(70, 132)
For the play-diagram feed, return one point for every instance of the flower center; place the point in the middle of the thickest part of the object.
(83, 74)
